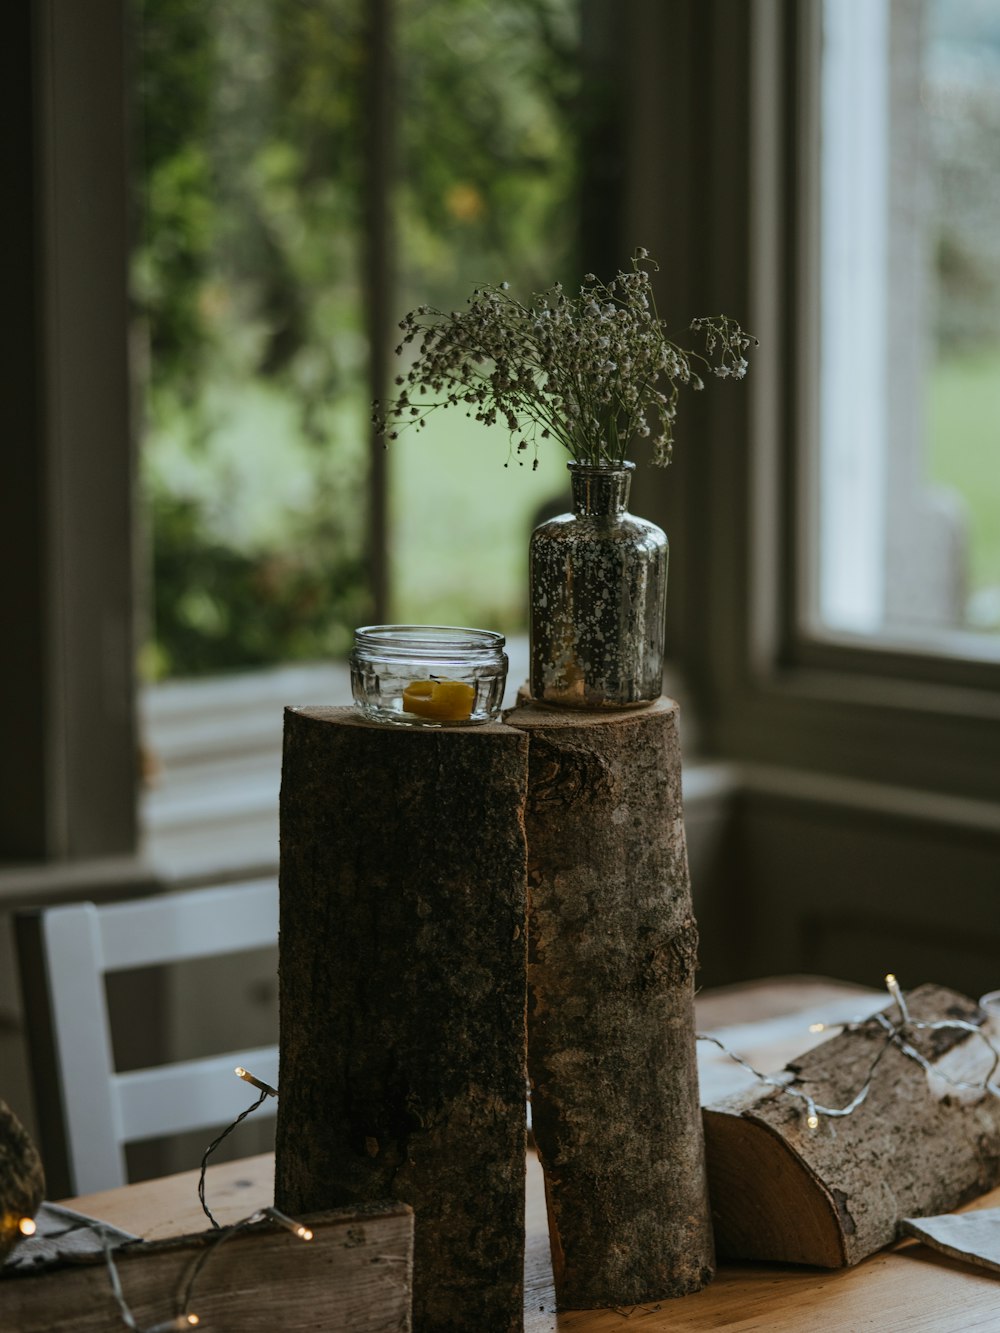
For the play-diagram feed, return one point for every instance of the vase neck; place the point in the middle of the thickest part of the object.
(600, 492)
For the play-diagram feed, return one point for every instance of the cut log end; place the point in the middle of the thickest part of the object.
(765, 1202)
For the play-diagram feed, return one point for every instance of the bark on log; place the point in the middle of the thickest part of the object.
(22, 1180)
(611, 1052)
(830, 1196)
(354, 1274)
(402, 976)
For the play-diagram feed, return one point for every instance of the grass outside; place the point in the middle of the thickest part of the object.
(460, 523)
(460, 520)
(963, 452)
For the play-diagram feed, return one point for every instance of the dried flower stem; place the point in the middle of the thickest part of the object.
(591, 371)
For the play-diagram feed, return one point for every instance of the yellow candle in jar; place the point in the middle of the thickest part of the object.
(442, 700)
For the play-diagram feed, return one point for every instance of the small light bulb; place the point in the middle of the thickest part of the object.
(259, 1084)
(26, 1226)
(896, 993)
(812, 1121)
(817, 1027)
(192, 1320)
(289, 1223)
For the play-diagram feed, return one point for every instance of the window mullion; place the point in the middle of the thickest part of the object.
(380, 285)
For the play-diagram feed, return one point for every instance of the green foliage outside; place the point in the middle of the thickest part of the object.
(248, 300)
(462, 522)
(962, 106)
(258, 538)
(964, 457)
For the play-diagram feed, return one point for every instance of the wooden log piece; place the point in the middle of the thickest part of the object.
(611, 1046)
(829, 1196)
(402, 995)
(354, 1274)
(22, 1180)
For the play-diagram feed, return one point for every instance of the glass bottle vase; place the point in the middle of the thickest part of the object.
(598, 584)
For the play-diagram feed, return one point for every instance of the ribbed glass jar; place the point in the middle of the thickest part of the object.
(598, 591)
(428, 675)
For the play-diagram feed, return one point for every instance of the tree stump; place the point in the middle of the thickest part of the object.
(402, 985)
(830, 1196)
(611, 1046)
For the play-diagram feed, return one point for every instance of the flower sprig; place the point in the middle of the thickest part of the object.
(592, 371)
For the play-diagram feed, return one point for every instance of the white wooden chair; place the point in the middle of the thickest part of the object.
(86, 1111)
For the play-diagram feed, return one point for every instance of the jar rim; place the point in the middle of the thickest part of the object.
(602, 469)
(428, 639)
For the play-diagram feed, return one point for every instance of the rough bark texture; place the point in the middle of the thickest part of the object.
(22, 1180)
(402, 972)
(831, 1196)
(355, 1274)
(611, 1048)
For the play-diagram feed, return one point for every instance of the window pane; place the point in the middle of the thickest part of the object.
(908, 479)
(489, 148)
(248, 329)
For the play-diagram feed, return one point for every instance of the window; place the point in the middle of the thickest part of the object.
(770, 685)
(489, 147)
(249, 337)
(906, 496)
(709, 156)
(308, 172)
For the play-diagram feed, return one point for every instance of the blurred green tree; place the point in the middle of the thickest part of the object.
(247, 280)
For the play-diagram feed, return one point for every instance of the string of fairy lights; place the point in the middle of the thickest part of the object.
(185, 1317)
(897, 1033)
(266, 1091)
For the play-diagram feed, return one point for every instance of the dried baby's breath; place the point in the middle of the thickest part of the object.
(591, 371)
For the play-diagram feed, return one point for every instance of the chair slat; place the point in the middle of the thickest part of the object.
(193, 1094)
(69, 950)
(197, 923)
(82, 1038)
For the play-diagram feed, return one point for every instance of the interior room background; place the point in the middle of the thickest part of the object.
(216, 214)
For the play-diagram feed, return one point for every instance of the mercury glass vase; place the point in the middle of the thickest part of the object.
(598, 583)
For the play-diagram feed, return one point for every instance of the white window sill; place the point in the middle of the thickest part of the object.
(213, 747)
(210, 808)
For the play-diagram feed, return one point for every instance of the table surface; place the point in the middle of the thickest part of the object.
(907, 1287)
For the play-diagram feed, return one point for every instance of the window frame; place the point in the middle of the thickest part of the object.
(68, 769)
(766, 690)
(911, 718)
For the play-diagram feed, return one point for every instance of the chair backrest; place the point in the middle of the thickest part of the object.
(87, 1111)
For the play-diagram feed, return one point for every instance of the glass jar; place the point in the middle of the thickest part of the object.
(428, 675)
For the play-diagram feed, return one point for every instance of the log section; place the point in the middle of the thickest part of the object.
(22, 1179)
(402, 993)
(354, 1274)
(611, 1050)
(830, 1196)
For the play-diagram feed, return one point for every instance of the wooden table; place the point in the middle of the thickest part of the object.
(908, 1287)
